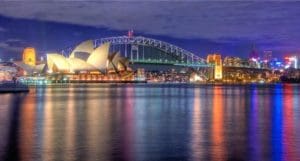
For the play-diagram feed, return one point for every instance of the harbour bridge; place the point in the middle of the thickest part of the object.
(143, 50)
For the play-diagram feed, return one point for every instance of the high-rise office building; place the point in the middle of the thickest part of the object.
(254, 53)
(267, 56)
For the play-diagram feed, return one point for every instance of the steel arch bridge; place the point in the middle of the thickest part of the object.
(134, 49)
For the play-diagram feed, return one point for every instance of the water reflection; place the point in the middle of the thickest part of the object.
(128, 122)
(218, 145)
(253, 125)
(27, 115)
(197, 133)
(5, 122)
(47, 127)
(70, 127)
(276, 133)
(289, 135)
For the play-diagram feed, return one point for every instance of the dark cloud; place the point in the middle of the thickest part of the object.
(2, 29)
(178, 19)
(268, 23)
(12, 45)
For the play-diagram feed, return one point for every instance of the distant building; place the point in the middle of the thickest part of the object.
(141, 74)
(7, 72)
(29, 64)
(232, 61)
(216, 60)
(292, 61)
(29, 56)
(254, 53)
(210, 58)
(253, 63)
(267, 56)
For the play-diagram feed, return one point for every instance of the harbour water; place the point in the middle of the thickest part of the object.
(150, 122)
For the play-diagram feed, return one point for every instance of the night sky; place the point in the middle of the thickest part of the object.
(230, 28)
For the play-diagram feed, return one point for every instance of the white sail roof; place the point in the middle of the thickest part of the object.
(99, 56)
(98, 59)
(79, 65)
(115, 60)
(58, 61)
(31, 69)
(86, 47)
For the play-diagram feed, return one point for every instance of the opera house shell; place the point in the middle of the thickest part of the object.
(29, 69)
(85, 58)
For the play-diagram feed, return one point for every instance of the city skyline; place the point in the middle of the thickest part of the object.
(228, 28)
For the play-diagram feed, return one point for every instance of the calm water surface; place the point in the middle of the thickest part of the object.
(151, 122)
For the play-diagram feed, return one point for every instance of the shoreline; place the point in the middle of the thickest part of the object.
(150, 84)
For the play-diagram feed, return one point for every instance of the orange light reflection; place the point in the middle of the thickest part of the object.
(48, 125)
(27, 125)
(197, 149)
(217, 134)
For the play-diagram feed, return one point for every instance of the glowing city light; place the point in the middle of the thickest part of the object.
(293, 59)
(29, 56)
(254, 59)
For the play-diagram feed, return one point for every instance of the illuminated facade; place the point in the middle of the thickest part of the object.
(216, 60)
(232, 61)
(29, 70)
(292, 61)
(28, 64)
(267, 56)
(116, 62)
(210, 59)
(29, 56)
(57, 63)
(83, 50)
(97, 59)
(7, 72)
(254, 63)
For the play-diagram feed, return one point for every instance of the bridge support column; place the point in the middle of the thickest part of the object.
(143, 52)
(134, 50)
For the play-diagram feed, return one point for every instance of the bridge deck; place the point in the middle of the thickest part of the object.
(170, 63)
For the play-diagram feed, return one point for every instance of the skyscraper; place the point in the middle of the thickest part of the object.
(254, 53)
(267, 55)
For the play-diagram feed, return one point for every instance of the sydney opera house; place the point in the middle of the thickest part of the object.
(84, 58)
(84, 63)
